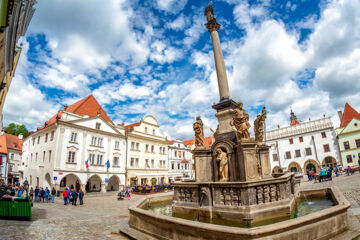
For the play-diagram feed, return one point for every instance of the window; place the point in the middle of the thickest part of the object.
(12, 156)
(275, 157)
(33, 141)
(117, 145)
(71, 157)
(132, 160)
(178, 166)
(36, 155)
(297, 153)
(147, 147)
(145, 129)
(357, 142)
(349, 158)
(323, 134)
(52, 136)
(116, 161)
(92, 158)
(288, 155)
(301, 139)
(291, 141)
(99, 159)
(308, 151)
(152, 148)
(346, 145)
(153, 131)
(172, 166)
(93, 140)
(11, 166)
(132, 145)
(136, 162)
(46, 137)
(137, 146)
(31, 157)
(175, 154)
(49, 155)
(97, 126)
(326, 148)
(44, 156)
(38, 140)
(152, 163)
(100, 140)
(73, 137)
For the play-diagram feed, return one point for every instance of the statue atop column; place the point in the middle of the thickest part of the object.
(199, 133)
(221, 157)
(241, 122)
(259, 125)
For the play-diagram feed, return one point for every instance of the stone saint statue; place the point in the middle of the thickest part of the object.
(221, 157)
(241, 122)
(199, 134)
(259, 125)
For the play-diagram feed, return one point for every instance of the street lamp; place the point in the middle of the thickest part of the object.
(26, 187)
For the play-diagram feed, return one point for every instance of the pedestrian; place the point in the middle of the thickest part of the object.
(127, 193)
(32, 194)
(37, 191)
(53, 192)
(69, 194)
(81, 196)
(359, 163)
(65, 195)
(20, 192)
(308, 174)
(74, 197)
(47, 193)
(42, 193)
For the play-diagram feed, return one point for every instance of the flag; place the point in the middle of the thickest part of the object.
(87, 163)
(108, 164)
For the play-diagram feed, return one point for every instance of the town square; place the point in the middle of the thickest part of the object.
(180, 119)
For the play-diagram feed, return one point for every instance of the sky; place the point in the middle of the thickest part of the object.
(155, 57)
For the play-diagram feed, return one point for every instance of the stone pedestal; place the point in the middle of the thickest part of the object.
(203, 165)
(250, 168)
(263, 153)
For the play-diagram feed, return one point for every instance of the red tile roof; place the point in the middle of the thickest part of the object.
(86, 106)
(349, 114)
(8, 141)
(294, 122)
(208, 141)
(171, 142)
(130, 127)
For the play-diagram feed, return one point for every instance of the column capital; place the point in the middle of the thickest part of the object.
(212, 25)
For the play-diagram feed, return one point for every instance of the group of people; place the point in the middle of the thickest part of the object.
(72, 196)
(11, 191)
(42, 194)
(325, 173)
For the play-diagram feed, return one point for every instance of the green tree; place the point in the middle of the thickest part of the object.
(16, 129)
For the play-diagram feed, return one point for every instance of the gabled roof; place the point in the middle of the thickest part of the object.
(86, 106)
(8, 141)
(349, 114)
(208, 141)
(130, 127)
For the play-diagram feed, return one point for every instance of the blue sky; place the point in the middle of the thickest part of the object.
(155, 57)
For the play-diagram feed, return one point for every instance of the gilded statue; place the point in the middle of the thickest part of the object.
(241, 122)
(259, 125)
(221, 157)
(199, 133)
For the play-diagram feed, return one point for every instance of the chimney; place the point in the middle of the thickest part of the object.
(340, 114)
(20, 137)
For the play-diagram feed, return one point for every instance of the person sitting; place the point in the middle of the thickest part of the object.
(7, 195)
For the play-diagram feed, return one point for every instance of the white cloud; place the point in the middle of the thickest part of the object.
(162, 53)
(179, 23)
(171, 6)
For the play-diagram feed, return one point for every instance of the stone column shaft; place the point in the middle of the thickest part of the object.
(220, 66)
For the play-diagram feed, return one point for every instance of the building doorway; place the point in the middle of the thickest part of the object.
(329, 162)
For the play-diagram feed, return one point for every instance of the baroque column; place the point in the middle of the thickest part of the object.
(213, 28)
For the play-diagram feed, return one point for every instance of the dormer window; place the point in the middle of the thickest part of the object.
(97, 126)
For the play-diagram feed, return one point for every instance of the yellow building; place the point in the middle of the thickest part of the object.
(349, 136)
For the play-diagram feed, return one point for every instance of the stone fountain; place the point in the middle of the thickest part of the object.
(234, 183)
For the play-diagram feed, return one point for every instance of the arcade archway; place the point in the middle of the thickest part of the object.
(311, 165)
(47, 182)
(329, 162)
(93, 184)
(71, 181)
(277, 169)
(294, 167)
(113, 183)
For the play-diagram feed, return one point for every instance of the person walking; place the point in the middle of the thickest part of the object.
(42, 194)
(47, 194)
(53, 192)
(32, 194)
(65, 195)
(37, 191)
(81, 196)
(74, 197)
(69, 194)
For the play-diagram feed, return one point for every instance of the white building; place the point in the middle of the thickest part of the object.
(180, 160)
(56, 154)
(147, 151)
(302, 146)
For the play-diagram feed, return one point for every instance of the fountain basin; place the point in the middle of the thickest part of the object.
(322, 224)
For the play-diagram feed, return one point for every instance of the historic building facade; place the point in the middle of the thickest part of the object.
(302, 146)
(180, 160)
(349, 136)
(79, 147)
(10, 158)
(147, 153)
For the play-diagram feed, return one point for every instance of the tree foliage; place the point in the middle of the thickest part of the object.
(16, 129)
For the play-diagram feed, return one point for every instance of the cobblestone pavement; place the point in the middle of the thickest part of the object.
(102, 215)
(99, 218)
